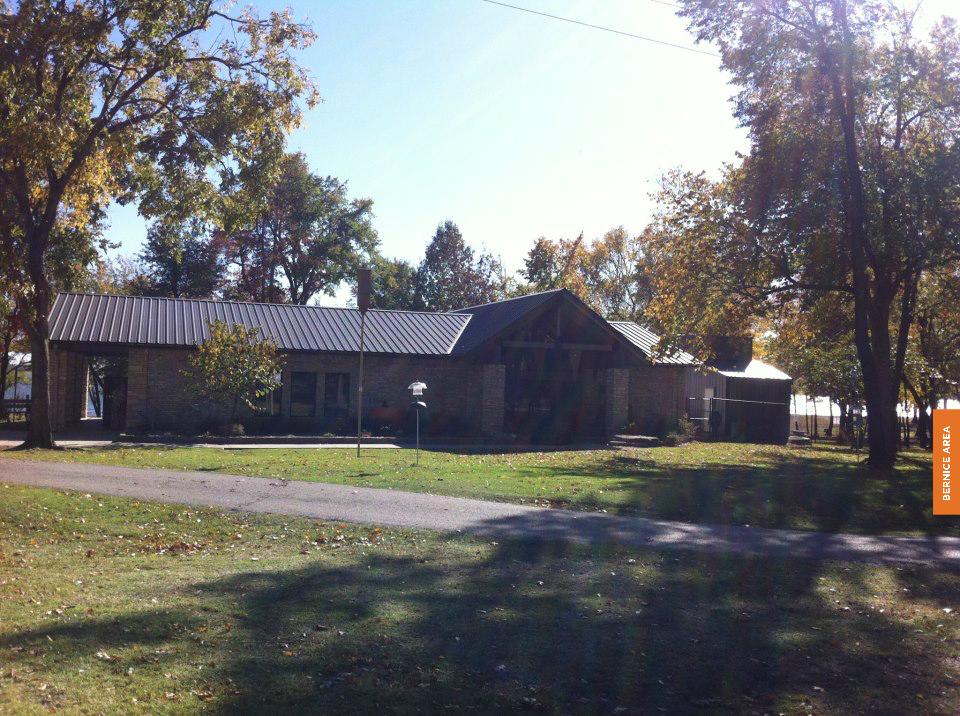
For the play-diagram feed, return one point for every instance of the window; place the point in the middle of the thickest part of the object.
(269, 404)
(336, 393)
(303, 394)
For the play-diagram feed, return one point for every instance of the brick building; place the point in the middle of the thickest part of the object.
(538, 368)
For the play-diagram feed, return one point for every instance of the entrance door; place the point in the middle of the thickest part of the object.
(708, 408)
(547, 402)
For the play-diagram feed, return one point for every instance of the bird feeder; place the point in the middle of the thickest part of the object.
(417, 389)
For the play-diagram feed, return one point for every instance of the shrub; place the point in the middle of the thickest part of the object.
(234, 366)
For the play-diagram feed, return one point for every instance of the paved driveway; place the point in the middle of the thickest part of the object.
(491, 520)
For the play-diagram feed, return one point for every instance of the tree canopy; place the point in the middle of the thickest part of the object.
(292, 234)
(394, 285)
(119, 99)
(181, 262)
(609, 273)
(851, 184)
(452, 275)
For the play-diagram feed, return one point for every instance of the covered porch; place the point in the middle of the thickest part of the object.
(88, 389)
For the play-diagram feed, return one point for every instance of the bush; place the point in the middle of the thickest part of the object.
(687, 429)
(678, 432)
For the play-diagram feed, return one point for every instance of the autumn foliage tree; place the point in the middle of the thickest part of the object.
(608, 273)
(812, 340)
(291, 234)
(851, 183)
(932, 370)
(235, 366)
(553, 264)
(113, 99)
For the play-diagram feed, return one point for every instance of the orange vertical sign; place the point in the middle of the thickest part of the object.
(946, 461)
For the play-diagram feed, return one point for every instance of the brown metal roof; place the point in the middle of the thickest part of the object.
(647, 341)
(149, 321)
(139, 320)
(490, 319)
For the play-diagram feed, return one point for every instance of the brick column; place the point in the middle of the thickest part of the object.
(57, 391)
(617, 384)
(494, 382)
(68, 388)
(138, 377)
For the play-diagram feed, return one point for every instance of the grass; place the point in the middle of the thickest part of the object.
(112, 605)
(818, 488)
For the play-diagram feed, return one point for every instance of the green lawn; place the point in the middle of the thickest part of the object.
(820, 488)
(111, 605)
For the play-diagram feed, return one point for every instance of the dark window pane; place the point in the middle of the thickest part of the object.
(336, 391)
(269, 404)
(303, 394)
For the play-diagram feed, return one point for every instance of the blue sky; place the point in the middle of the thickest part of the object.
(512, 125)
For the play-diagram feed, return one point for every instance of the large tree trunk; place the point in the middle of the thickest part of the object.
(4, 369)
(881, 417)
(871, 299)
(922, 432)
(37, 313)
(924, 428)
(40, 434)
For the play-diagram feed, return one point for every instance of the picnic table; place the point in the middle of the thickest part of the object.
(10, 408)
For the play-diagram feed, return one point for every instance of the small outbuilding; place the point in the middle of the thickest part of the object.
(734, 396)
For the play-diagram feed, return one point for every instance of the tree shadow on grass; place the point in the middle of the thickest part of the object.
(804, 491)
(541, 625)
(548, 626)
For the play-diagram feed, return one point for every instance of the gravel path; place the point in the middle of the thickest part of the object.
(492, 520)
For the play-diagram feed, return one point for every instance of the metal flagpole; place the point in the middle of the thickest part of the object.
(363, 304)
(363, 325)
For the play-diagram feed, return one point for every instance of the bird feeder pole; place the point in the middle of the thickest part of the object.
(417, 389)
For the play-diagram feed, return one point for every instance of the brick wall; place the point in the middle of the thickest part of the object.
(137, 379)
(493, 400)
(617, 384)
(453, 394)
(462, 397)
(654, 394)
(158, 398)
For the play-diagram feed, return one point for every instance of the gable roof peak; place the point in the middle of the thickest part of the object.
(508, 300)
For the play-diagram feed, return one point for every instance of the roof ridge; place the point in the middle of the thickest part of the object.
(250, 303)
(508, 300)
(463, 329)
(78, 317)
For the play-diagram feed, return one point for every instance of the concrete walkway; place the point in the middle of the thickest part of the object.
(491, 520)
(10, 440)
